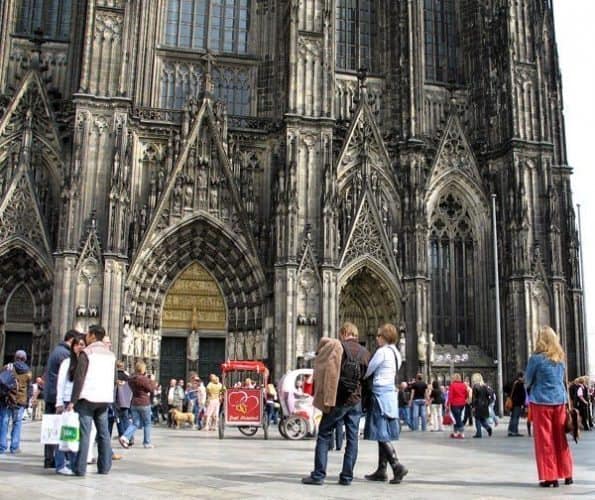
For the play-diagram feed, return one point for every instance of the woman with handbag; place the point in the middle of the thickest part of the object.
(66, 460)
(382, 418)
(548, 396)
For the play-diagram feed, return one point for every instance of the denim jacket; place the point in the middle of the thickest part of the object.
(545, 380)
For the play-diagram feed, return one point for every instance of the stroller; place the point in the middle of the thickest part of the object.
(299, 417)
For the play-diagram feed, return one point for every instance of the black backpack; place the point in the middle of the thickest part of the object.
(351, 373)
(8, 382)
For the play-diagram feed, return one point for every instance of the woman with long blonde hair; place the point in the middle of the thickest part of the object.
(544, 377)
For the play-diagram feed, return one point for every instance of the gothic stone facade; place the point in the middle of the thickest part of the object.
(216, 179)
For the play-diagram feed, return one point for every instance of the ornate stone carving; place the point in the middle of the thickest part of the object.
(19, 214)
(366, 238)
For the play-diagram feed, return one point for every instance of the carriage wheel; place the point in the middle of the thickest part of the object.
(221, 426)
(296, 427)
(248, 430)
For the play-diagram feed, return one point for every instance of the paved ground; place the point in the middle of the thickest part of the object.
(193, 464)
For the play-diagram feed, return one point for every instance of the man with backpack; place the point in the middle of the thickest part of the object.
(344, 363)
(15, 393)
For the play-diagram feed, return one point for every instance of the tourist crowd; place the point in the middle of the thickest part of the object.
(82, 375)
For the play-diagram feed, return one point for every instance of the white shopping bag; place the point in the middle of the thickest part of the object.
(50, 429)
(69, 432)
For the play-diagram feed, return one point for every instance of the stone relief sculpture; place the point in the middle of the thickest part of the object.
(127, 340)
(138, 342)
(193, 345)
(156, 344)
(422, 346)
(432, 347)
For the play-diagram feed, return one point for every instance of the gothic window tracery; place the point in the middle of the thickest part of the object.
(181, 80)
(53, 17)
(453, 255)
(441, 41)
(217, 25)
(356, 26)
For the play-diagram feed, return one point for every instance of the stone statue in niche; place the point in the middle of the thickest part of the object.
(403, 345)
(192, 347)
(177, 196)
(127, 339)
(422, 346)
(147, 343)
(156, 344)
(138, 342)
(432, 347)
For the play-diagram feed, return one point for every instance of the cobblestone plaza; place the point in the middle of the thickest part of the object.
(195, 464)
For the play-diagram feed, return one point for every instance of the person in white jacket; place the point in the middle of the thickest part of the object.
(66, 460)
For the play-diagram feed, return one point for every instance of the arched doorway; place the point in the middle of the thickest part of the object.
(234, 270)
(18, 321)
(193, 325)
(368, 300)
(25, 304)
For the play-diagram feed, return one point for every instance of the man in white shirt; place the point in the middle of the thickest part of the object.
(92, 393)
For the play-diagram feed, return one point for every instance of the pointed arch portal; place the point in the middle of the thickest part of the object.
(368, 298)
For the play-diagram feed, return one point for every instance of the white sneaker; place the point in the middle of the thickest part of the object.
(148, 446)
(65, 471)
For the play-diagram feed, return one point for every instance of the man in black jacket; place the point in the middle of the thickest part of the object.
(50, 388)
(518, 394)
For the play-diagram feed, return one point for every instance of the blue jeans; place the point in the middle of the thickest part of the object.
(479, 423)
(419, 410)
(405, 416)
(90, 413)
(457, 414)
(141, 417)
(271, 413)
(515, 415)
(63, 458)
(339, 435)
(123, 420)
(15, 414)
(350, 416)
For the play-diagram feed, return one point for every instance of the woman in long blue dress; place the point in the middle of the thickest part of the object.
(382, 418)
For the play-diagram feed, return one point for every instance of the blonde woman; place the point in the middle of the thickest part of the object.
(547, 396)
(480, 402)
(214, 390)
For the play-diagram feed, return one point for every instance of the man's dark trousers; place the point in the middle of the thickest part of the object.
(350, 416)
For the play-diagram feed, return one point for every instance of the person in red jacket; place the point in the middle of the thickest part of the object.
(140, 406)
(458, 396)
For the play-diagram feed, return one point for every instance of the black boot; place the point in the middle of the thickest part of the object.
(380, 473)
(399, 470)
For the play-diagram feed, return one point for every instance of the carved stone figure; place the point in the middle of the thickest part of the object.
(432, 347)
(193, 345)
(422, 346)
(127, 340)
(138, 342)
(156, 344)
(147, 343)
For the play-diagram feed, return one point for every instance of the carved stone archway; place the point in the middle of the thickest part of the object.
(238, 273)
(369, 297)
(21, 266)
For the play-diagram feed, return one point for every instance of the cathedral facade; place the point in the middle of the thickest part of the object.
(232, 179)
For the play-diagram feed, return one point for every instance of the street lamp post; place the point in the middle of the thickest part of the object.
(498, 326)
